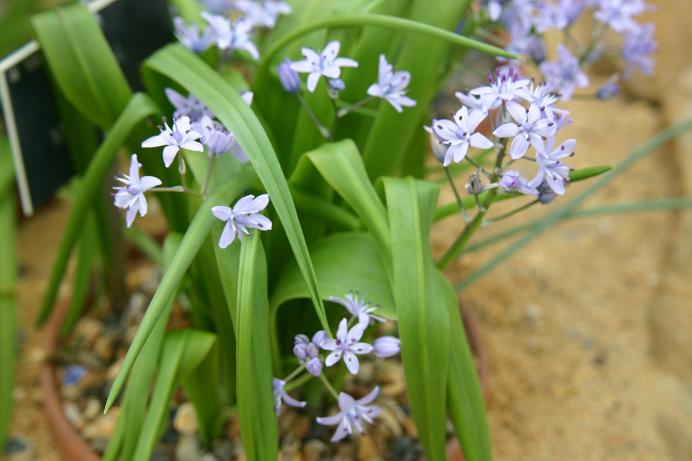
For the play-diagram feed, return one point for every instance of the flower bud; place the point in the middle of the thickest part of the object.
(335, 86)
(319, 337)
(387, 346)
(300, 351)
(475, 185)
(314, 366)
(608, 90)
(545, 193)
(288, 77)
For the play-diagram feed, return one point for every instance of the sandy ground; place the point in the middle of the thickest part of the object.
(588, 329)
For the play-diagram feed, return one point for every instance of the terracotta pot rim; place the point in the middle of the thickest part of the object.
(66, 436)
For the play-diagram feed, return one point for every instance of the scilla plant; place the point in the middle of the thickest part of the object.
(289, 162)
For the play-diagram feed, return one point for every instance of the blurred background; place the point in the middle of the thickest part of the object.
(587, 331)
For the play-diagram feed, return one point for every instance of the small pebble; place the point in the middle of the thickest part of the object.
(19, 448)
(73, 414)
(103, 427)
(92, 409)
(188, 449)
(185, 421)
(314, 450)
(105, 348)
(87, 332)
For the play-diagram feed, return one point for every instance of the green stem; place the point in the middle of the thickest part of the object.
(329, 387)
(207, 178)
(458, 246)
(513, 212)
(457, 196)
(295, 372)
(348, 109)
(296, 383)
(321, 128)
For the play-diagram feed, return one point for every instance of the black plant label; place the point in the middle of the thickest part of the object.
(134, 29)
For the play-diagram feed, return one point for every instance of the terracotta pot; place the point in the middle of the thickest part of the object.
(73, 446)
(68, 439)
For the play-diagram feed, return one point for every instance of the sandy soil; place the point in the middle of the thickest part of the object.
(587, 329)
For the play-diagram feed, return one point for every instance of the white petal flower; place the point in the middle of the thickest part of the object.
(503, 87)
(352, 415)
(281, 396)
(244, 215)
(461, 134)
(551, 169)
(358, 307)
(191, 37)
(187, 106)
(346, 346)
(215, 137)
(231, 36)
(262, 14)
(326, 64)
(392, 86)
(531, 128)
(130, 196)
(182, 136)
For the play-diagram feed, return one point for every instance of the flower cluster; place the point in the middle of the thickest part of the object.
(194, 129)
(527, 20)
(522, 116)
(345, 347)
(391, 85)
(226, 34)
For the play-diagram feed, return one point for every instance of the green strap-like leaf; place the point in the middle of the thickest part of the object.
(82, 62)
(223, 99)
(341, 165)
(8, 278)
(183, 352)
(464, 394)
(258, 425)
(138, 109)
(344, 262)
(423, 318)
(195, 236)
(136, 398)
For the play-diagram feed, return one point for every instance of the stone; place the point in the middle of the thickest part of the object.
(102, 428)
(19, 448)
(223, 450)
(87, 331)
(185, 421)
(73, 415)
(105, 348)
(314, 450)
(188, 449)
(92, 409)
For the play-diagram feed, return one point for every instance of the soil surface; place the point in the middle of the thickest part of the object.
(588, 329)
